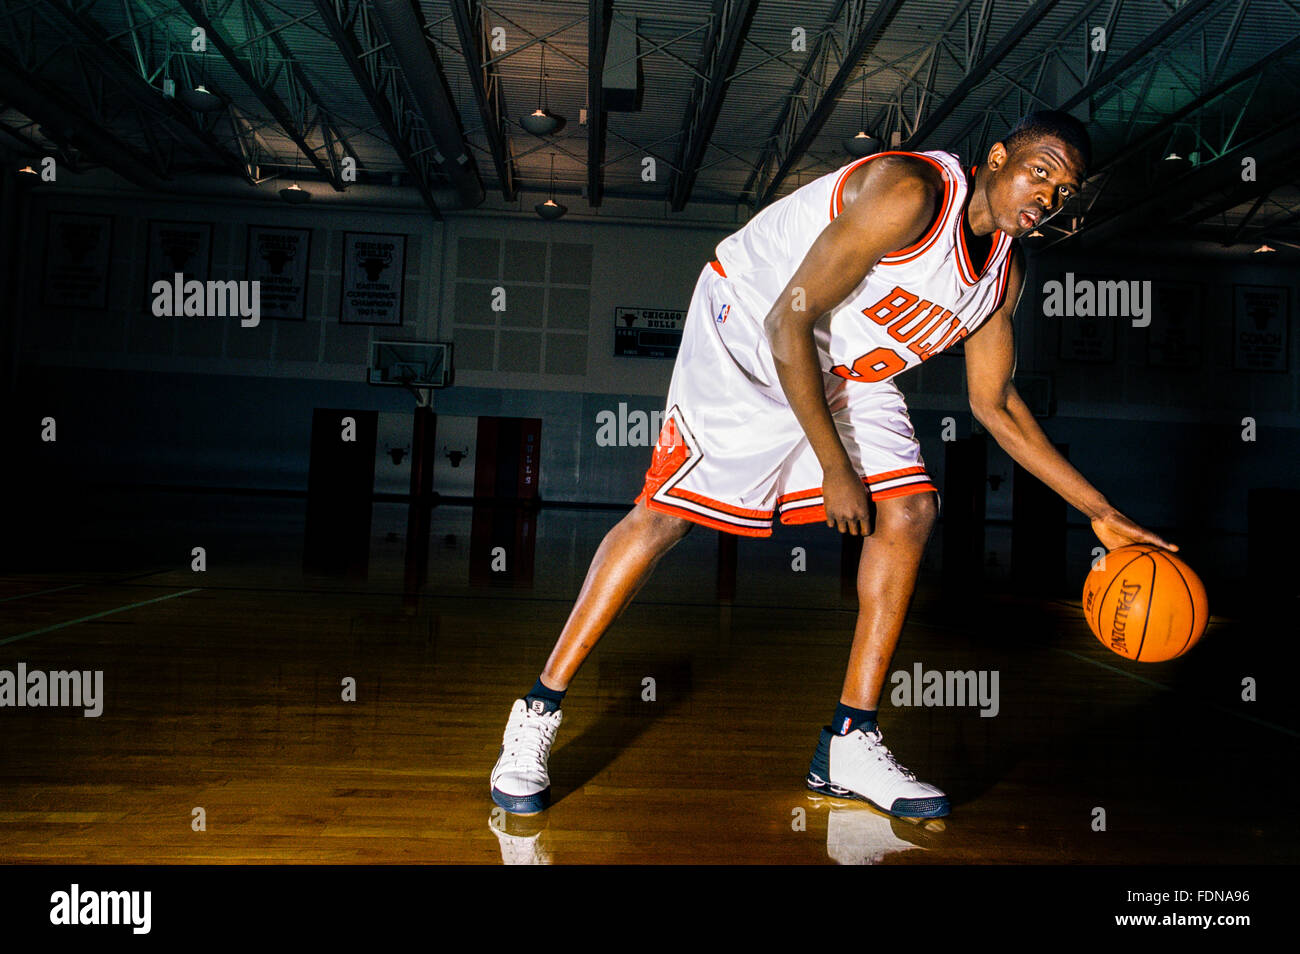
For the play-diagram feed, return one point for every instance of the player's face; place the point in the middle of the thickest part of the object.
(1032, 184)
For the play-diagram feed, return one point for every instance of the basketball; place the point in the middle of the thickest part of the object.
(1145, 604)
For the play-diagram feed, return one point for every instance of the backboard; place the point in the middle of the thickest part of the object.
(410, 364)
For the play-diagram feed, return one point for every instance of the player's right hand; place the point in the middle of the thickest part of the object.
(1114, 529)
(847, 502)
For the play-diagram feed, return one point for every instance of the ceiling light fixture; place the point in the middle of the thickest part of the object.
(200, 99)
(541, 121)
(862, 144)
(1177, 164)
(550, 209)
(295, 194)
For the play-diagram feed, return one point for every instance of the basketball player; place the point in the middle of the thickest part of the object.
(782, 402)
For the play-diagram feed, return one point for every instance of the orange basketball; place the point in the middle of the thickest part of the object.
(1145, 604)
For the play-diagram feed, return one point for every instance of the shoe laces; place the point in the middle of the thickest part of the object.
(529, 735)
(876, 741)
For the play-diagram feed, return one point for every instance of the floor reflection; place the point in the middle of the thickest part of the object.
(858, 834)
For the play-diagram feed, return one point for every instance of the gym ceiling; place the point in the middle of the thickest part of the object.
(1193, 105)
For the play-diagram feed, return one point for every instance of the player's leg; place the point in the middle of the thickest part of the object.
(852, 760)
(887, 571)
(622, 564)
(691, 460)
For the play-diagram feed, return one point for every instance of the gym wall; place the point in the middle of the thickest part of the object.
(204, 402)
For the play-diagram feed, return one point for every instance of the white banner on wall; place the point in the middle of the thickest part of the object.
(77, 255)
(374, 270)
(279, 259)
(184, 247)
(1259, 329)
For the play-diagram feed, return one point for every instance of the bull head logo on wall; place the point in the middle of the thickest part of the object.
(374, 262)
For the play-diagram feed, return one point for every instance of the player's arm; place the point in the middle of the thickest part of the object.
(888, 207)
(990, 363)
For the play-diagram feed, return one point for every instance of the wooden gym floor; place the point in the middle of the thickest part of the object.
(222, 692)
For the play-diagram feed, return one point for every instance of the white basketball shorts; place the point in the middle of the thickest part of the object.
(731, 454)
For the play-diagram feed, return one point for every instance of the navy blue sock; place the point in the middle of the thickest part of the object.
(549, 698)
(847, 719)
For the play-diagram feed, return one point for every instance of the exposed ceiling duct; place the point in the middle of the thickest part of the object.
(622, 79)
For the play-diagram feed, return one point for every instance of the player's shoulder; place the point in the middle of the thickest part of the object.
(899, 175)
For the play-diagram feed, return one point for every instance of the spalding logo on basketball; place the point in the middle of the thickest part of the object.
(1144, 603)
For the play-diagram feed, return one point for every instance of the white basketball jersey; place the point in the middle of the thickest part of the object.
(915, 303)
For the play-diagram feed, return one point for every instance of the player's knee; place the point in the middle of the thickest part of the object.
(912, 515)
(664, 528)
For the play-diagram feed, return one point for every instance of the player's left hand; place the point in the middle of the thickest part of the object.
(1114, 529)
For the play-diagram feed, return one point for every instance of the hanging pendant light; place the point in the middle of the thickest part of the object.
(200, 98)
(541, 121)
(1173, 162)
(1034, 239)
(550, 209)
(295, 194)
(862, 144)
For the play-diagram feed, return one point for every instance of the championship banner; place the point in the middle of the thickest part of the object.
(279, 259)
(77, 259)
(1259, 328)
(1090, 340)
(1085, 318)
(648, 332)
(184, 247)
(374, 270)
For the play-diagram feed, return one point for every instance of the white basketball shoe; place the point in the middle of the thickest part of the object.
(520, 782)
(858, 765)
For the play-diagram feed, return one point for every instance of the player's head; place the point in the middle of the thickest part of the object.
(1035, 168)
